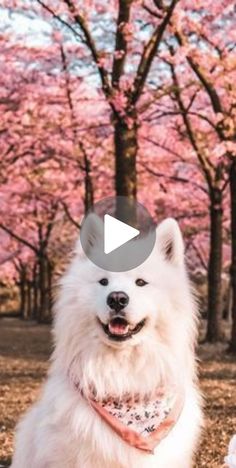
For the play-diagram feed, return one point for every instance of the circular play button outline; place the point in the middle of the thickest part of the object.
(133, 234)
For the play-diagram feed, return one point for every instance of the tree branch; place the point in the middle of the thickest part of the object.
(148, 54)
(121, 42)
(69, 216)
(165, 148)
(19, 238)
(175, 178)
(68, 93)
(63, 22)
(51, 222)
(152, 12)
(204, 161)
(88, 197)
(209, 88)
(86, 39)
(91, 46)
(9, 257)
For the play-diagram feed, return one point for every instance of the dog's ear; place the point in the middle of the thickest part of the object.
(169, 241)
(91, 236)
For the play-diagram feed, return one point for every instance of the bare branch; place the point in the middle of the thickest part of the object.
(63, 22)
(69, 215)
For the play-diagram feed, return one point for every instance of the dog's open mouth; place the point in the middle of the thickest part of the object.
(119, 329)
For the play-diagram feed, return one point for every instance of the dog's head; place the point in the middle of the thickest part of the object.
(125, 308)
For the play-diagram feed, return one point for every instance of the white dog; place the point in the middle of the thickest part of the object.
(122, 386)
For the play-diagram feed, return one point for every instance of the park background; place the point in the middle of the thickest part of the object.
(121, 97)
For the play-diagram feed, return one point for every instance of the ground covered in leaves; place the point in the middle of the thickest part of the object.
(24, 351)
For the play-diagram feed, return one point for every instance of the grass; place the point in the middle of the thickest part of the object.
(24, 352)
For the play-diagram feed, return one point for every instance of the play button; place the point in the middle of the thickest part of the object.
(117, 234)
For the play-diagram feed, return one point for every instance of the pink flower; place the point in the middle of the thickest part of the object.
(102, 62)
(119, 101)
(57, 36)
(119, 54)
(127, 30)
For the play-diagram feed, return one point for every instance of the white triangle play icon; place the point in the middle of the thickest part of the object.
(116, 233)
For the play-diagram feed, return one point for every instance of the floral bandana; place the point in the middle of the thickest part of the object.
(140, 423)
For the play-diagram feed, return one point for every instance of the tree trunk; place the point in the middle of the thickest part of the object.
(29, 301)
(214, 330)
(126, 147)
(35, 291)
(44, 306)
(49, 287)
(22, 285)
(88, 196)
(35, 299)
(232, 347)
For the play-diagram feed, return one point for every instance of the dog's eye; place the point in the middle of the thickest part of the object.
(140, 282)
(104, 281)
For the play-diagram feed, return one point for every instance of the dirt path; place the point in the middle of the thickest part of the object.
(25, 348)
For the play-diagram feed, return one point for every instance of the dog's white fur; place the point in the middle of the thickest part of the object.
(62, 430)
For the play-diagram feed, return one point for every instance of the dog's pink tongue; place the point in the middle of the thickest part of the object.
(118, 328)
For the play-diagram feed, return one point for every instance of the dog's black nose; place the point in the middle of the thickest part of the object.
(117, 300)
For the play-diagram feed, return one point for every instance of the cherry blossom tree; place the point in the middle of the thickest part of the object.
(216, 78)
(199, 56)
(121, 85)
(46, 174)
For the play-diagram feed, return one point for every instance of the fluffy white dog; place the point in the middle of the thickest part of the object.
(122, 387)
